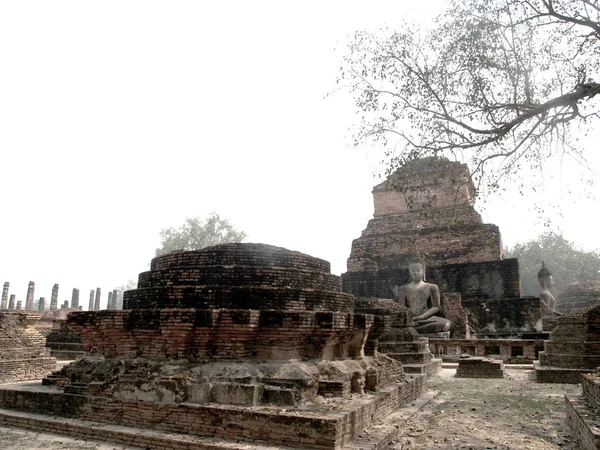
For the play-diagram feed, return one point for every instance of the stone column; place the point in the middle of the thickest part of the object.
(18, 305)
(29, 298)
(4, 302)
(97, 300)
(91, 304)
(54, 298)
(42, 304)
(75, 298)
(109, 305)
(115, 298)
(11, 302)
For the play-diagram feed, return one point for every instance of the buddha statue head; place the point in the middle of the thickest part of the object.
(416, 269)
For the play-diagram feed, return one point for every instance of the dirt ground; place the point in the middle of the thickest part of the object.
(513, 413)
(19, 439)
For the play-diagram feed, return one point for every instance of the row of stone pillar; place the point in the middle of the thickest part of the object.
(94, 305)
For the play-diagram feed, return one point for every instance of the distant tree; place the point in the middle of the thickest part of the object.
(131, 284)
(196, 233)
(494, 83)
(566, 262)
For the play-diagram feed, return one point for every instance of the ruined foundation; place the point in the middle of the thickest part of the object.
(573, 348)
(238, 342)
(24, 355)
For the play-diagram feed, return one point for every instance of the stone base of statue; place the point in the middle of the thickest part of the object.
(440, 335)
(401, 341)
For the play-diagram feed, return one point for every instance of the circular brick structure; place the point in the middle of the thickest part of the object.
(239, 276)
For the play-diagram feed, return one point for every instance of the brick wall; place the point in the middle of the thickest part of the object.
(222, 334)
(24, 355)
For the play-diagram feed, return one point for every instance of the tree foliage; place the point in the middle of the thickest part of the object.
(196, 233)
(566, 262)
(499, 84)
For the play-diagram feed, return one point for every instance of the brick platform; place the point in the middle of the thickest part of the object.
(330, 424)
(477, 367)
(307, 377)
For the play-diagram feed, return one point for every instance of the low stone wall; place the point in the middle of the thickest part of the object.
(505, 349)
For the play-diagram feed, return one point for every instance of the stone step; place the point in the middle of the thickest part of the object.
(429, 369)
(133, 438)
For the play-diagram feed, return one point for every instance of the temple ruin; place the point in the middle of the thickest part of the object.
(234, 342)
(255, 345)
(426, 208)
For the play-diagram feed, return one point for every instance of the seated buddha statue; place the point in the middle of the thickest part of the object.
(423, 299)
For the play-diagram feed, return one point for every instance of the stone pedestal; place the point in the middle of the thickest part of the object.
(400, 340)
(441, 335)
(478, 367)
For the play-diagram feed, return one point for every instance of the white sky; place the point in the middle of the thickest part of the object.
(120, 118)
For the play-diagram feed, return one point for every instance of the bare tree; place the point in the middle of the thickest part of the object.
(496, 83)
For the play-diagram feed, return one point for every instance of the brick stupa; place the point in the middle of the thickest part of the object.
(234, 343)
(426, 208)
